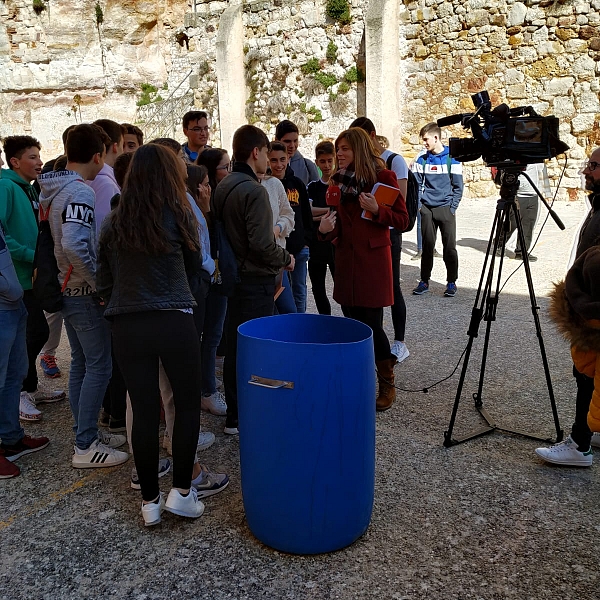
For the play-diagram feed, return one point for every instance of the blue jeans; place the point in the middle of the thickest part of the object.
(13, 369)
(285, 303)
(91, 366)
(214, 318)
(299, 279)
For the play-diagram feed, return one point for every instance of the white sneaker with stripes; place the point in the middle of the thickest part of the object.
(98, 455)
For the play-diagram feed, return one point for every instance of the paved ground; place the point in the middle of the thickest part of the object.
(484, 520)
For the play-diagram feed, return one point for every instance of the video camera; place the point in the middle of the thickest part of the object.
(503, 136)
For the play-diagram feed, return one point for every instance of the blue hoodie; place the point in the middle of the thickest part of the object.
(437, 187)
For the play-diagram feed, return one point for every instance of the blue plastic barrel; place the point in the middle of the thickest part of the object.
(306, 396)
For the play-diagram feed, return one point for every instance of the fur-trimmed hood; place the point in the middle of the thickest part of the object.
(575, 302)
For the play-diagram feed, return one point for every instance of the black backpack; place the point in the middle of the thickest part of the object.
(46, 288)
(226, 267)
(412, 194)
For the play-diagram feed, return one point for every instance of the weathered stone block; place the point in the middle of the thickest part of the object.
(586, 32)
(516, 91)
(563, 107)
(588, 102)
(497, 39)
(477, 18)
(583, 123)
(517, 14)
(594, 44)
(565, 34)
(540, 35)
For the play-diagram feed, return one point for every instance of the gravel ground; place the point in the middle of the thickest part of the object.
(483, 520)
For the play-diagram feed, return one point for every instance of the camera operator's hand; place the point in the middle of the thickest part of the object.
(292, 263)
(327, 222)
(368, 202)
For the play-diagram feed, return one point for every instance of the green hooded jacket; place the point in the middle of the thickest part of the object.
(17, 198)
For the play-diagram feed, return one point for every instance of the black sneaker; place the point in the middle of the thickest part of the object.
(450, 290)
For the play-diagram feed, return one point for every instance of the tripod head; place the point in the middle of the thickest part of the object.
(509, 186)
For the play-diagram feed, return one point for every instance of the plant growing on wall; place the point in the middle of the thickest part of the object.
(99, 15)
(354, 75)
(331, 53)
(339, 10)
(39, 6)
(148, 95)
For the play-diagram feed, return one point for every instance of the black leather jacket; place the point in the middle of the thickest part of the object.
(134, 282)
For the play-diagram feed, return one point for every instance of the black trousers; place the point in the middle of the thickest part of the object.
(140, 340)
(373, 317)
(317, 271)
(580, 432)
(249, 301)
(432, 219)
(36, 336)
(399, 307)
(115, 398)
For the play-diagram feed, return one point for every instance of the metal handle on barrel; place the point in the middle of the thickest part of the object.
(272, 384)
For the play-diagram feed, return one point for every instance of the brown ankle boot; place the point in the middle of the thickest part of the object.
(385, 376)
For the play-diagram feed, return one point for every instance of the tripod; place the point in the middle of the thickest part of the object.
(486, 304)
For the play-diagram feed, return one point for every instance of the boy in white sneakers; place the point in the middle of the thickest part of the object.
(71, 203)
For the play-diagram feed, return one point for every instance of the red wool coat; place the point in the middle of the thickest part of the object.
(363, 259)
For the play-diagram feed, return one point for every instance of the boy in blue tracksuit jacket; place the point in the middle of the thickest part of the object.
(441, 188)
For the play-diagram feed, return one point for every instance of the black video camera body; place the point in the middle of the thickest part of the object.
(504, 136)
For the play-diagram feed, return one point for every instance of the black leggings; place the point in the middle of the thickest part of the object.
(37, 336)
(373, 317)
(139, 340)
(317, 271)
(399, 306)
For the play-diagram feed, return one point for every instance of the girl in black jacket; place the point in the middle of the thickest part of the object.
(148, 251)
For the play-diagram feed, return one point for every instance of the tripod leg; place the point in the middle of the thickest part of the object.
(476, 316)
(491, 305)
(538, 328)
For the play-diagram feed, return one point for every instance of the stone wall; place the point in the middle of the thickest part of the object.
(300, 64)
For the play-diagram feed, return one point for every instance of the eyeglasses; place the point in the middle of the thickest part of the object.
(592, 166)
(228, 167)
(199, 129)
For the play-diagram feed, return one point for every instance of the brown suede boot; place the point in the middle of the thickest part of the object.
(385, 376)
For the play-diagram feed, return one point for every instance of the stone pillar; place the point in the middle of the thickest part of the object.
(230, 73)
(383, 67)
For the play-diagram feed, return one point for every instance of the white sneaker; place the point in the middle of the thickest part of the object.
(151, 511)
(566, 453)
(184, 506)
(112, 440)
(400, 351)
(98, 455)
(205, 440)
(40, 397)
(214, 404)
(27, 409)
(596, 440)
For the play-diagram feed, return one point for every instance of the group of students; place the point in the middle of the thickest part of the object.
(134, 232)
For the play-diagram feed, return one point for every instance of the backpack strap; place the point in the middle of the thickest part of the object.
(449, 167)
(389, 160)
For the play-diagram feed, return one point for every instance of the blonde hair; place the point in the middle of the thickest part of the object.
(367, 162)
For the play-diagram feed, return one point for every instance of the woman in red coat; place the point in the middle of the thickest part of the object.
(363, 261)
